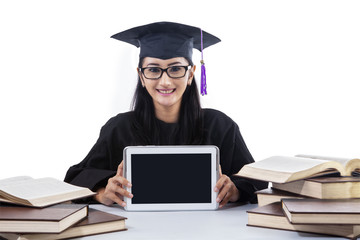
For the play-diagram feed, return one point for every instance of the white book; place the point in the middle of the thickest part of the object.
(40, 192)
(281, 169)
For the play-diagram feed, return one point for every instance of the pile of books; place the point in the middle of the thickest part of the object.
(308, 194)
(42, 209)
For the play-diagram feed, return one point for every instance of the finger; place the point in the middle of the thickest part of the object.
(108, 197)
(232, 194)
(220, 171)
(116, 193)
(116, 184)
(122, 192)
(115, 198)
(120, 169)
(121, 201)
(223, 192)
(225, 200)
(118, 180)
(220, 183)
(116, 188)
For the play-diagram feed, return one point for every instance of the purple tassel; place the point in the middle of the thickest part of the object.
(203, 79)
(203, 72)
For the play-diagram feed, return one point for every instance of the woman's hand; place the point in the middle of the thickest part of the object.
(226, 189)
(114, 191)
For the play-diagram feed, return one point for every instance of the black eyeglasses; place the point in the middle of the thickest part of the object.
(154, 73)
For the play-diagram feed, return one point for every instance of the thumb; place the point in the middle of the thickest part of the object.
(120, 170)
(220, 172)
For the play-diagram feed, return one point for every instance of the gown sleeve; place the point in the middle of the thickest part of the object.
(234, 154)
(240, 157)
(103, 159)
(93, 170)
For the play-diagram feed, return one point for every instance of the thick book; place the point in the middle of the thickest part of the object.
(323, 187)
(97, 222)
(272, 216)
(322, 211)
(40, 192)
(52, 219)
(270, 195)
(281, 169)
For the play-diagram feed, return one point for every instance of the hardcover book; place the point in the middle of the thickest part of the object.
(97, 222)
(281, 169)
(322, 211)
(272, 216)
(323, 187)
(40, 192)
(270, 195)
(52, 219)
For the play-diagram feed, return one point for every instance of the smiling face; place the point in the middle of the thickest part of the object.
(166, 92)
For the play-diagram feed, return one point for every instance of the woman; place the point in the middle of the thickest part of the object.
(166, 111)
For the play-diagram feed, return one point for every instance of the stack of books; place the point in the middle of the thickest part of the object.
(308, 194)
(42, 209)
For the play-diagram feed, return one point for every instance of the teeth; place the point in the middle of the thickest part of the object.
(166, 92)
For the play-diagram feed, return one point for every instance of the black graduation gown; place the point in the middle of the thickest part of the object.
(103, 159)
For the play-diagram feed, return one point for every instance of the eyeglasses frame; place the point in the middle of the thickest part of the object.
(164, 70)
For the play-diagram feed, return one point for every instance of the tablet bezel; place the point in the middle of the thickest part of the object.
(184, 149)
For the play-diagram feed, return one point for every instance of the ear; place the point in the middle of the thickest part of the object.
(192, 74)
(140, 76)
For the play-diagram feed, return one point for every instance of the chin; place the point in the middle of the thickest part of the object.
(167, 102)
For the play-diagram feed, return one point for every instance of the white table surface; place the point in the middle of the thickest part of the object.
(227, 223)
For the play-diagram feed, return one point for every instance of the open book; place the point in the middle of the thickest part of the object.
(281, 169)
(40, 192)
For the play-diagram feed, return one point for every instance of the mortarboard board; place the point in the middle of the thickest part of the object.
(166, 40)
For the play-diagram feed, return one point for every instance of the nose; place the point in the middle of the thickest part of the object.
(165, 80)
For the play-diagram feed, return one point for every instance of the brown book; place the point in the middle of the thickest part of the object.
(324, 187)
(281, 169)
(272, 216)
(270, 195)
(52, 219)
(40, 192)
(97, 222)
(322, 211)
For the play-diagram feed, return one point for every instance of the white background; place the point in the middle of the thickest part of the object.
(286, 71)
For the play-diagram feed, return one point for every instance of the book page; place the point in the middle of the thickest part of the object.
(287, 164)
(37, 188)
(343, 161)
(14, 180)
(4, 200)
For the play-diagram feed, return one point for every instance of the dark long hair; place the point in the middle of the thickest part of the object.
(190, 124)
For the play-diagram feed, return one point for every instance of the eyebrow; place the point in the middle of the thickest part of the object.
(170, 64)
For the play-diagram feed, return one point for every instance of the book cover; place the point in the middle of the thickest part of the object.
(322, 211)
(97, 222)
(52, 219)
(323, 187)
(272, 216)
(270, 195)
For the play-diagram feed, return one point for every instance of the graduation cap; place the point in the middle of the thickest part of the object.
(167, 40)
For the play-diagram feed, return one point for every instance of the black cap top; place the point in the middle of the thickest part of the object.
(166, 40)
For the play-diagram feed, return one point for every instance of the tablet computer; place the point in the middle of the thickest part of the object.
(171, 178)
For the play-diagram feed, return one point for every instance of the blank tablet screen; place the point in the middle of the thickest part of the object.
(171, 178)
